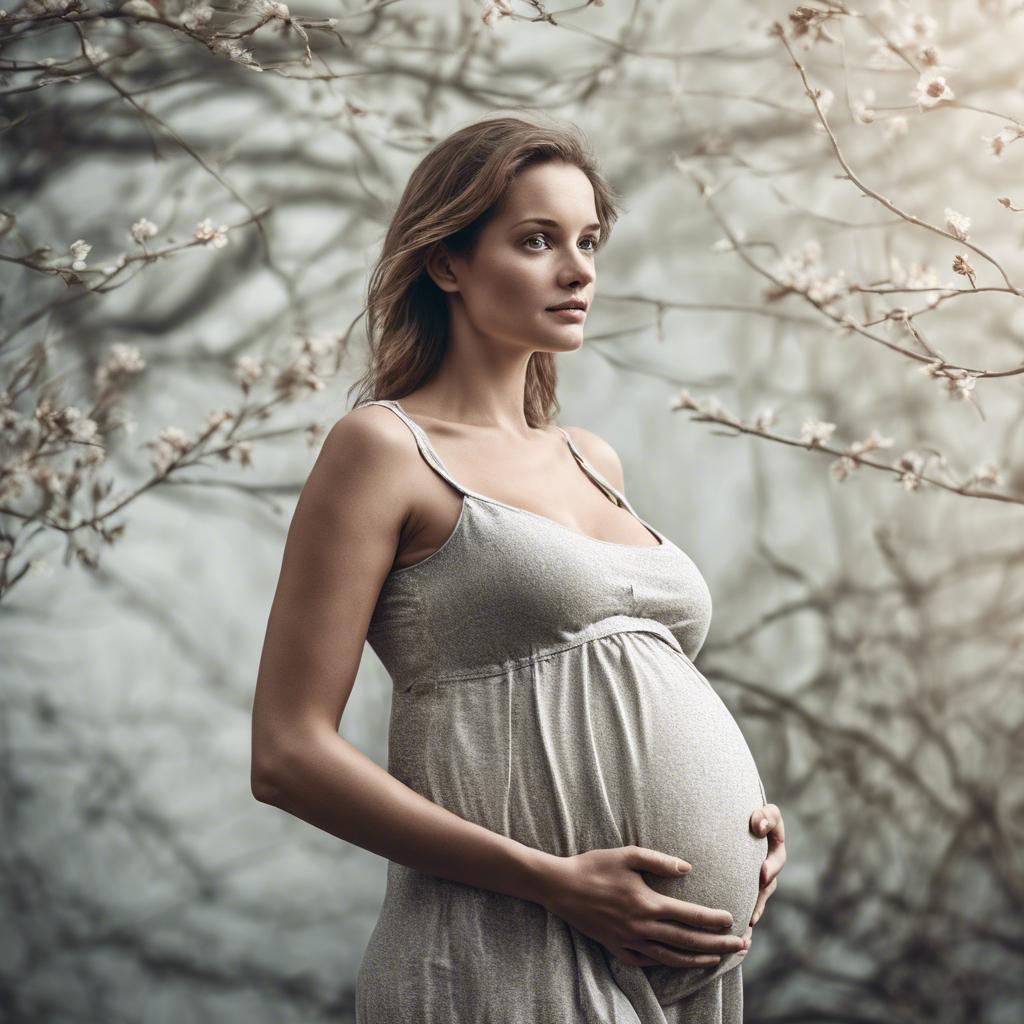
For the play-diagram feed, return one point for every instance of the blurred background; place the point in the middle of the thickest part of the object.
(807, 345)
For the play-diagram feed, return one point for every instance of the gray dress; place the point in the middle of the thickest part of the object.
(544, 688)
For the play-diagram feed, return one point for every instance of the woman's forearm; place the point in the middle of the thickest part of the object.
(334, 786)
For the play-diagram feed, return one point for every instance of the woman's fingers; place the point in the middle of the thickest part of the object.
(691, 940)
(748, 935)
(670, 957)
(758, 907)
(772, 865)
(768, 821)
(762, 899)
(760, 821)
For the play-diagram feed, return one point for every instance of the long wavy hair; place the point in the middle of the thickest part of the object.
(452, 193)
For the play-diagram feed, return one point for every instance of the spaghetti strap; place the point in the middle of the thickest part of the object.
(422, 441)
(598, 477)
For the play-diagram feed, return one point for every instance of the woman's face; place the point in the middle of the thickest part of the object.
(520, 267)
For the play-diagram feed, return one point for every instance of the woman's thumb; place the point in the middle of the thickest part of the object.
(658, 863)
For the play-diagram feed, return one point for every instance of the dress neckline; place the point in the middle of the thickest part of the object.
(592, 473)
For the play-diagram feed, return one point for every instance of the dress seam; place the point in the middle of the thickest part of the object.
(513, 665)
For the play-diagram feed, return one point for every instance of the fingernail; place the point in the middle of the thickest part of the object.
(763, 827)
(682, 867)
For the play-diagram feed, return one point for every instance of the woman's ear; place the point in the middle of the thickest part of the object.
(439, 266)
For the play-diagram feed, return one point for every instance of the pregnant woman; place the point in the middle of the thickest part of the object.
(554, 753)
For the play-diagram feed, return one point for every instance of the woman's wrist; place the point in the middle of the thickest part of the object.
(535, 869)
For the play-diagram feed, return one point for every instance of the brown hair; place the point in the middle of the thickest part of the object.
(449, 197)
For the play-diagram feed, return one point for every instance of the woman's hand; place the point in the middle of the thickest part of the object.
(601, 894)
(767, 820)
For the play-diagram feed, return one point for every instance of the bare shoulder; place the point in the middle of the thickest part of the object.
(366, 457)
(370, 438)
(600, 454)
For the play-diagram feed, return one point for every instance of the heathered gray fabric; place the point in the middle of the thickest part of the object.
(544, 687)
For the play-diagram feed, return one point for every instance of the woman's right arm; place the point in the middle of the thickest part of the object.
(340, 547)
(344, 535)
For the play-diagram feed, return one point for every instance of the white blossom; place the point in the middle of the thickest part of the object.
(684, 400)
(987, 473)
(915, 276)
(217, 417)
(765, 419)
(122, 362)
(931, 89)
(872, 442)
(957, 224)
(48, 479)
(175, 437)
(843, 467)
(143, 229)
(314, 346)
(495, 12)
(300, 374)
(80, 249)
(75, 425)
(862, 113)
(234, 51)
(211, 236)
(960, 383)
(195, 17)
(863, 109)
(815, 432)
(170, 444)
(248, 369)
(95, 53)
(911, 466)
(997, 143)
(798, 270)
(274, 9)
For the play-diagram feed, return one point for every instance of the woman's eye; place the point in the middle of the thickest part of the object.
(594, 243)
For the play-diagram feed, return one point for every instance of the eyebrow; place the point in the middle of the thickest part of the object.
(552, 223)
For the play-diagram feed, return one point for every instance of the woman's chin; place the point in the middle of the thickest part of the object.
(564, 340)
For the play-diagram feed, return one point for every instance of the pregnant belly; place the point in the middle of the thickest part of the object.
(702, 787)
(619, 741)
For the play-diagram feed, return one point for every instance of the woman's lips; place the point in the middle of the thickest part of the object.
(570, 315)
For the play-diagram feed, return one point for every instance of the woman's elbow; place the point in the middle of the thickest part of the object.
(263, 786)
(266, 775)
